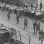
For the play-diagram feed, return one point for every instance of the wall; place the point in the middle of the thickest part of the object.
(20, 2)
(40, 1)
(29, 1)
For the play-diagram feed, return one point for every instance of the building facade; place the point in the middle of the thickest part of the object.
(21, 2)
(28, 2)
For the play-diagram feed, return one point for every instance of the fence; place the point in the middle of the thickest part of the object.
(25, 38)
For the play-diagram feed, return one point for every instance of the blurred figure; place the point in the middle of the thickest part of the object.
(8, 15)
(34, 26)
(25, 22)
(38, 28)
(41, 35)
(17, 18)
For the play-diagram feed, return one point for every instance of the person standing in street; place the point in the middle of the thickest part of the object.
(8, 15)
(34, 26)
(38, 28)
(17, 18)
(25, 23)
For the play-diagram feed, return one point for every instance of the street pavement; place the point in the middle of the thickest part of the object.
(20, 27)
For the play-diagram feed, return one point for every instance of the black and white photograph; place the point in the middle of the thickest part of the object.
(21, 21)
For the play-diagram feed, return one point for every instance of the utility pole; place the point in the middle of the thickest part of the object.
(40, 5)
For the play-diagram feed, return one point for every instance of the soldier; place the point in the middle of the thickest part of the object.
(38, 28)
(34, 26)
(17, 18)
(8, 16)
(25, 23)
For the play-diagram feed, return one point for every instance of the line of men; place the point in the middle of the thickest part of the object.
(25, 21)
(17, 19)
(36, 26)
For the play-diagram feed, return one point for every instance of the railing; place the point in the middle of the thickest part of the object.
(25, 38)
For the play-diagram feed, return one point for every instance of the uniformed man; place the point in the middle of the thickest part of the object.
(25, 22)
(17, 18)
(34, 26)
(38, 28)
(8, 16)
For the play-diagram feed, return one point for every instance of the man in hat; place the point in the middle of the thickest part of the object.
(25, 22)
(34, 26)
(38, 28)
(17, 18)
(8, 16)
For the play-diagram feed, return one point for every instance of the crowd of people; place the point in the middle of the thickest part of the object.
(36, 25)
(27, 10)
(30, 12)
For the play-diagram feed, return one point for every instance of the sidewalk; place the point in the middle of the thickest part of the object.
(29, 30)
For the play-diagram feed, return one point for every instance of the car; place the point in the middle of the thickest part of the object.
(4, 35)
